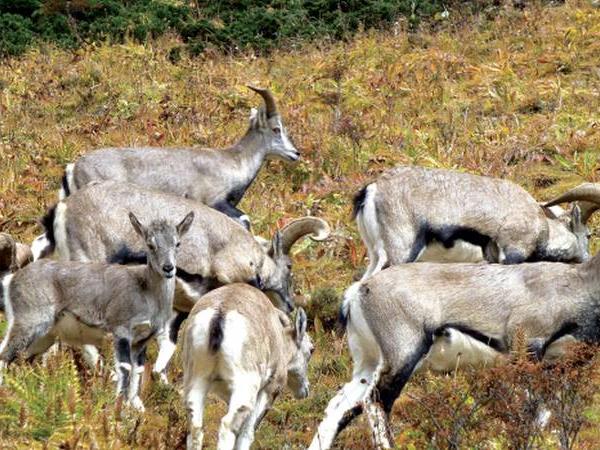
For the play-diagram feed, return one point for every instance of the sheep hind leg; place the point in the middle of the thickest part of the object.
(195, 397)
(246, 436)
(241, 405)
(18, 340)
(343, 408)
(167, 344)
(388, 387)
(138, 360)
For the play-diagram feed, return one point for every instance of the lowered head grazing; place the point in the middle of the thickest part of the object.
(575, 234)
(268, 122)
(162, 241)
(277, 276)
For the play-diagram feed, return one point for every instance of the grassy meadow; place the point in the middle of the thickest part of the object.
(508, 93)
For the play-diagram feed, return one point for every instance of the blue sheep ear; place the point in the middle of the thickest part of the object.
(576, 218)
(185, 224)
(300, 325)
(137, 226)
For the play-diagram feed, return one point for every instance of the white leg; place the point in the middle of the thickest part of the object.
(241, 405)
(347, 398)
(91, 356)
(246, 437)
(2, 370)
(133, 397)
(195, 396)
(166, 349)
(379, 424)
(119, 374)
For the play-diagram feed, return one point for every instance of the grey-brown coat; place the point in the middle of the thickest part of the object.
(216, 177)
(81, 302)
(245, 350)
(442, 316)
(89, 226)
(416, 213)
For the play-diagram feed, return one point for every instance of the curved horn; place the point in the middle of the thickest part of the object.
(8, 253)
(589, 192)
(301, 227)
(268, 98)
(588, 209)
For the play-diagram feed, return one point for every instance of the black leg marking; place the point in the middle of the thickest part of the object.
(176, 325)
(359, 201)
(123, 353)
(229, 210)
(391, 384)
(141, 357)
(47, 222)
(447, 236)
(494, 343)
(565, 329)
(513, 257)
(348, 418)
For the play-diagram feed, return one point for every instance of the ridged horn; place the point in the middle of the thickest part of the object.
(587, 210)
(318, 228)
(588, 192)
(271, 108)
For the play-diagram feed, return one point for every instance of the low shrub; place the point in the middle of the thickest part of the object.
(227, 25)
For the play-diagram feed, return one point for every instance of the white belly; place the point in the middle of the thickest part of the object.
(459, 350)
(71, 331)
(461, 251)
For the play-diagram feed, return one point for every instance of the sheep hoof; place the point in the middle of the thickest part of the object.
(137, 404)
(161, 376)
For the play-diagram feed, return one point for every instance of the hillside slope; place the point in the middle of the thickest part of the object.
(514, 94)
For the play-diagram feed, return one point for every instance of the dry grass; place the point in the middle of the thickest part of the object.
(515, 94)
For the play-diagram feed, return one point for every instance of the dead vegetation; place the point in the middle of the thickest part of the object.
(514, 94)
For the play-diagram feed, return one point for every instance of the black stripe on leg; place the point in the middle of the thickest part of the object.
(565, 329)
(123, 355)
(47, 223)
(141, 358)
(348, 417)
(391, 384)
(494, 343)
(176, 325)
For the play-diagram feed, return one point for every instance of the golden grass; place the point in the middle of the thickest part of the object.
(514, 96)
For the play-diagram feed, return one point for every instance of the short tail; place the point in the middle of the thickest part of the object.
(44, 244)
(367, 222)
(215, 331)
(359, 202)
(351, 295)
(67, 183)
